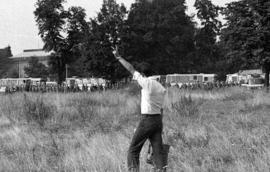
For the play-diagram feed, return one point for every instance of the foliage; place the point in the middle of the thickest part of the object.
(5, 62)
(158, 33)
(50, 18)
(13, 72)
(186, 107)
(246, 35)
(62, 32)
(106, 29)
(37, 110)
(160, 37)
(77, 31)
(36, 69)
(208, 53)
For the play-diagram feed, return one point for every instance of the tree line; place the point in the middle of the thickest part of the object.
(157, 37)
(6, 69)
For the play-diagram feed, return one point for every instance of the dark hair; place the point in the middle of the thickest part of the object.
(145, 69)
(147, 72)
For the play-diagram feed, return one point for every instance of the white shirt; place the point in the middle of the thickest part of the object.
(152, 94)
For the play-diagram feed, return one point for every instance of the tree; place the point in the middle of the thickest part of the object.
(160, 37)
(77, 31)
(50, 17)
(13, 72)
(106, 29)
(246, 35)
(36, 69)
(207, 50)
(53, 22)
(5, 62)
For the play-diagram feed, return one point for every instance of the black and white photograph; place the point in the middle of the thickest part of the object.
(134, 86)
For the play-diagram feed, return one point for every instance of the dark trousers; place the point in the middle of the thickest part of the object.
(150, 127)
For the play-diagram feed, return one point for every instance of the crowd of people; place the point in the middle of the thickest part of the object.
(64, 88)
(204, 86)
(53, 88)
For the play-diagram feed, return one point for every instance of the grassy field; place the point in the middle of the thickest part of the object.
(209, 131)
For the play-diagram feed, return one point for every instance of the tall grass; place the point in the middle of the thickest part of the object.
(221, 130)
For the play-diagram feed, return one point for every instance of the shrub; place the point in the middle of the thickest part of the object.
(185, 106)
(36, 110)
(236, 96)
(133, 89)
(86, 108)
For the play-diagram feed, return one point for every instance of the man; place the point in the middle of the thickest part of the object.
(150, 125)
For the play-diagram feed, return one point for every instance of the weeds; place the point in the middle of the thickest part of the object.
(91, 132)
(36, 110)
(86, 109)
(186, 107)
(238, 96)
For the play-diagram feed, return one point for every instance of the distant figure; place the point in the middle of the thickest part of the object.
(150, 125)
(27, 85)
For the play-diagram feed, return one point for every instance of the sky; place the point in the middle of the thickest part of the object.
(19, 30)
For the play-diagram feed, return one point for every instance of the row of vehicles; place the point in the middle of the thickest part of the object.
(171, 78)
(29, 84)
(251, 79)
(12, 84)
(87, 83)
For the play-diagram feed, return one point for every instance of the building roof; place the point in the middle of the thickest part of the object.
(32, 53)
(192, 74)
(249, 72)
(233, 74)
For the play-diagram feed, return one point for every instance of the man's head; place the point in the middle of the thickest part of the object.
(145, 69)
(146, 72)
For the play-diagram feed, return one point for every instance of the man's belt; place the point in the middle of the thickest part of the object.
(151, 115)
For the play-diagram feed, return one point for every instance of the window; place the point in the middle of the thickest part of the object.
(195, 78)
(205, 78)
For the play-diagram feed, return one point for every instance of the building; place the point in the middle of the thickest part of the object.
(21, 60)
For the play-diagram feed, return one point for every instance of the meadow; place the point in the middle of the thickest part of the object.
(225, 130)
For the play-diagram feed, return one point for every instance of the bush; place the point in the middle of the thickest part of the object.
(242, 96)
(185, 106)
(36, 110)
(86, 108)
(133, 89)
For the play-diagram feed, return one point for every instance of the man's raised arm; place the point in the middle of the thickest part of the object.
(126, 64)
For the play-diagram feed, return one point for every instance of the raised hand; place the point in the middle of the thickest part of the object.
(116, 52)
